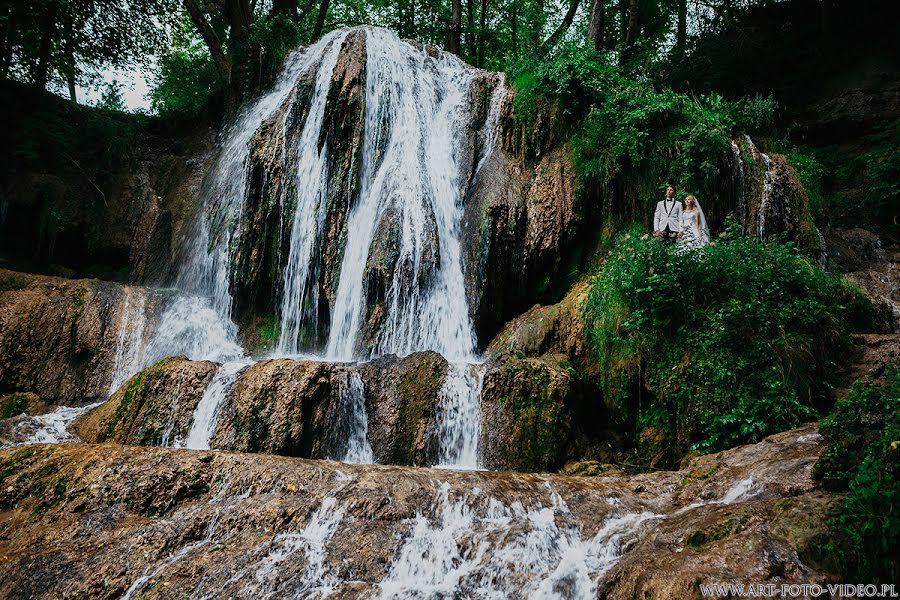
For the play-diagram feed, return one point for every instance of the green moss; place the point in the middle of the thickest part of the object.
(13, 405)
(125, 410)
(731, 525)
(539, 419)
(10, 282)
(420, 384)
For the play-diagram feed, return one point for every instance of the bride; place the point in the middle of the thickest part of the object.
(694, 231)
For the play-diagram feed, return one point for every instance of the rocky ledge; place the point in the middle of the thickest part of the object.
(101, 521)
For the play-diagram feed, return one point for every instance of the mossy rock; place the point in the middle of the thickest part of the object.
(155, 404)
(18, 403)
(526, 402)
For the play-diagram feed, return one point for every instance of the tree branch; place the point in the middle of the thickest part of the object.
(221, 61)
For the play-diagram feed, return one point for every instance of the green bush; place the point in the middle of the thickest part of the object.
(863, 457)
(622, 126)
(717, 347)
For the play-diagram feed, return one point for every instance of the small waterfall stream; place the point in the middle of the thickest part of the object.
(412, 178)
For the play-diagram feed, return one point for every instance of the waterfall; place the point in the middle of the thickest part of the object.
(130, 348)
(309, 214)
(459, 417)
(203, 425)
(354, 421)
(410, 173)
(505, 551)
(400, 222)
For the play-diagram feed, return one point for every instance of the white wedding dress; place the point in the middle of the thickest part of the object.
(694, 233)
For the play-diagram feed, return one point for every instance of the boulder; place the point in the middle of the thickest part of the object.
(279, 406)
(402, 397)
(155, 407)
(58, 336)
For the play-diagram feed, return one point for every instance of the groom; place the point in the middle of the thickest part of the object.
(667, 219)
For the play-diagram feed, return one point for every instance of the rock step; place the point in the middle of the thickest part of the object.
(241, 525)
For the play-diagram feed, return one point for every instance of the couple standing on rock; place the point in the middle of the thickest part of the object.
(686, 225)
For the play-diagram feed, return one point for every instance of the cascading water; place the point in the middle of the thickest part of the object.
(459, 416)
(203, 425)
(410, 173)
(505, 551)
(411, 177)
(354, 424)
(130, 348)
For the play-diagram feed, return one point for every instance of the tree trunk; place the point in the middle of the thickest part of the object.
(470, 35)
(240, 17)
(561, 30)
(827, 19)
(596, 23)
(213, 44)
(630, 32)
(7, 39)
(513, 30)
(681, 33)
(42, 71)
(482, 31)
(320, 20)
(70, 80)
(454, 39)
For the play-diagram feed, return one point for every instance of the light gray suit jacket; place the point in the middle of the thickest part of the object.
(667, 214)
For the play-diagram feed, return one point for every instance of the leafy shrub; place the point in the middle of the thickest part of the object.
(863, 457)
(717, 347)
(622, 126)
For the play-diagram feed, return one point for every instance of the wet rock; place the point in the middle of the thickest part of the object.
(401, 397)
(212, 523)
(109, 206)
(770, 200)
(19, 403)
(279, 406)
(872, 266)
(526, 404)
(155, 407)
(264, 244)
(519, 225)
(58, 336)
(554, 329)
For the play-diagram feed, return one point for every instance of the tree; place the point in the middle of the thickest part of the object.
(631, 29)
(112, 98)
(560, 31)
(596, 23)
(320, 20)
(67, 41)
(454, 41)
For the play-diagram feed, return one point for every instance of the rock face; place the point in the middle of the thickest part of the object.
(265, 238)
(521, 220)
(401, 398)
(153, 408)
(869, 264)
(100, 521)
(280, 406)
(58, 336)
(537, 392)
(95, 193)
(770, 200)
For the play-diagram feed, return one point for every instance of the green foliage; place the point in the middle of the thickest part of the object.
(626, 126)
(13, 405)
(863, 457)
(112, 99)
(186, 76)
(717, 347)
(852, 187)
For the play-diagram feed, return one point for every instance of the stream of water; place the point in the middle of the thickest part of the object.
(411, 179)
